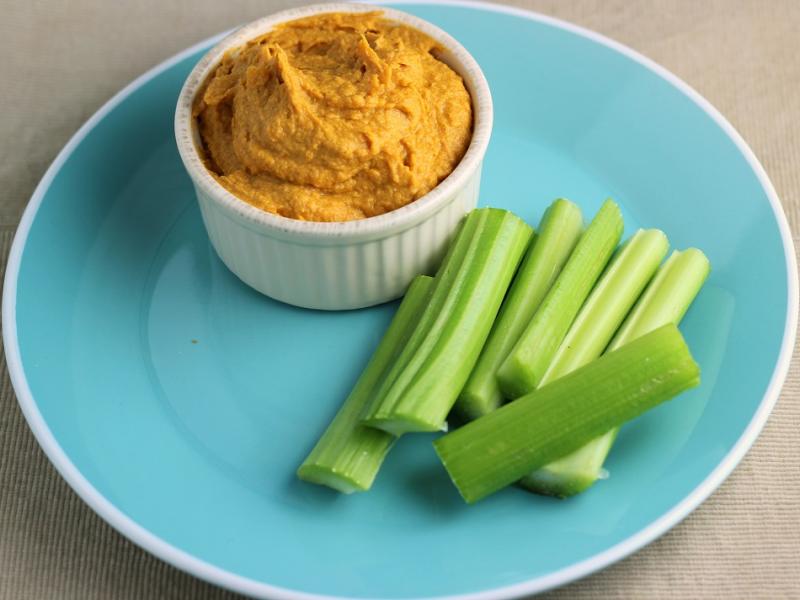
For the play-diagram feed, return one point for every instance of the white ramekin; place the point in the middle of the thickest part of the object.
(342, 265)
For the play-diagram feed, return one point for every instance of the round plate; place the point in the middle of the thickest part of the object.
(178, 402)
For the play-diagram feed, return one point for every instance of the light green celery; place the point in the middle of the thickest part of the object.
(665, 300)
(501, 447)
(620, 286)
(558, 233)
(523, 368)
(668, 298)
(348, 455)
(423, 384)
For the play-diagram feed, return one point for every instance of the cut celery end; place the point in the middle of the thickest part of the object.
(573, 473)
(524, 367)
(399, 423)
(329, 476)
(425, 381)
(665, 300)
(348, 455)
(557, 419)
(559, 230)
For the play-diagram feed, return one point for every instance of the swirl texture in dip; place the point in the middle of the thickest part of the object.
(334, 117)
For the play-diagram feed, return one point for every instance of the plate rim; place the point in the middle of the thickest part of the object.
(185, 561)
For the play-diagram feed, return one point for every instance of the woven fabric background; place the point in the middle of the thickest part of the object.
(61, 60)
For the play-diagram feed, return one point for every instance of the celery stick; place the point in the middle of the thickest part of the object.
(668, 297)
(664, 301)
(501, 447)
(448, 277)
(523, 368)
(558, 233)
(610, 301)
(424, 382)
(348, 455)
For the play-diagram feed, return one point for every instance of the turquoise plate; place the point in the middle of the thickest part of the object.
(178, 402)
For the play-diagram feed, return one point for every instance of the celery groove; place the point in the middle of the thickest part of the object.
(665, 300)
(501, 447)
(422, 386)
(348, 455)
(523, 368)
(558, 233)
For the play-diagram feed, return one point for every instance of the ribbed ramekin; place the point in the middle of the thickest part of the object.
(343, 265)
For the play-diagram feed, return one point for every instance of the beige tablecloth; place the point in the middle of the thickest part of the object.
(60, 60)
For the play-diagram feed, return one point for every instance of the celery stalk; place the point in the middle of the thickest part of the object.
(501, 447)
(665, 300)
(610, 301)
(523, 368)
(348, 455)
(558, 233)
(424, 382)
(668, 297)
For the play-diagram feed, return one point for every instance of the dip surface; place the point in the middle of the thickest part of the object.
(334, 117)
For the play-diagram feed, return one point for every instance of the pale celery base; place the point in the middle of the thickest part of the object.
(341, 482)
(397, 424)
(574, 473)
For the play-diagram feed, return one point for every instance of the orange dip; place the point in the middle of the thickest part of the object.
(334, 117)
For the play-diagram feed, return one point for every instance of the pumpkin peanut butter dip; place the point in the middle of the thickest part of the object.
(334, 117)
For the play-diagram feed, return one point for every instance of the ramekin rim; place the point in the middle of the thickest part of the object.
(395, 220)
